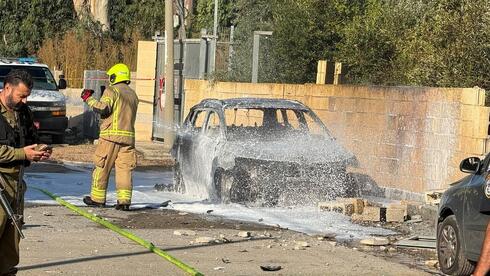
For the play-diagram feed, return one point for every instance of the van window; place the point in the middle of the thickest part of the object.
(43, 80)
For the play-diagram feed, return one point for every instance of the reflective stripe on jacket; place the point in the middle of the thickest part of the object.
(117, 107)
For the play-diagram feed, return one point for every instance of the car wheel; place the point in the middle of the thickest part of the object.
(450, 250)
(222, 184)
(179, 185)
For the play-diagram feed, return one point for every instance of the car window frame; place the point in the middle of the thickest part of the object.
(206, 121)
(192, 120)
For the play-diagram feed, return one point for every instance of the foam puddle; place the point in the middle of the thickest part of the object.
(72, 182)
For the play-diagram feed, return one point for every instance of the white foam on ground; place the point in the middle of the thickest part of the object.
(72, 182)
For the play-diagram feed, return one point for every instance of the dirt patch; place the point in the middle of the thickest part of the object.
(171, 219)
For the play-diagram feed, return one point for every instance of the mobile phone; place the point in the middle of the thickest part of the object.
(43, 147)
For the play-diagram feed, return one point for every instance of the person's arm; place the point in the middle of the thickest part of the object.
(9, 154)
(104, 106)
(483, 265)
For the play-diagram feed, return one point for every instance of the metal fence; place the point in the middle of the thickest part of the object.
(97, 81)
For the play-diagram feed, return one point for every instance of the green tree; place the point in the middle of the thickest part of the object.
(250, 16)
(204, 14)
(143, 16)
(26, 24)
(303, 32)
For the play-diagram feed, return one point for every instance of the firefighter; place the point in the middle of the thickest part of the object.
(117, 108)
(18, 141)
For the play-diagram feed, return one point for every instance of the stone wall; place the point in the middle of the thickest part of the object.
(405, 138)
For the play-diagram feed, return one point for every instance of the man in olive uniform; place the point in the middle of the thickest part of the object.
(117, 108)
(18, 140)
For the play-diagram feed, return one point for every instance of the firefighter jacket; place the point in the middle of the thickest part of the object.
(117, 108)
(17, 130)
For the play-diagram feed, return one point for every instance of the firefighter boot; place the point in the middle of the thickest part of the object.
(88, 200)
(122, 207)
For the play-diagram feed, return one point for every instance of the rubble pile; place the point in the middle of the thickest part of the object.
(364, 210)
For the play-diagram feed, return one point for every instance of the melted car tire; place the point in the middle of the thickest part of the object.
(222, 184)
(461, 265)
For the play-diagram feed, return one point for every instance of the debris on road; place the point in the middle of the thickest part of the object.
(270, 267)
(204, 240)
(418, 242)
(375, 241)
(302, 244)
(184, 233)
(433, 197)
(432, 263)
(244, 234)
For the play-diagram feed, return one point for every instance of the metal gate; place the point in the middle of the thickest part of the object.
(190, 62)
(97, 81)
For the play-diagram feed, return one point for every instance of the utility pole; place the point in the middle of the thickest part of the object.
(168, 115)
(215, 38)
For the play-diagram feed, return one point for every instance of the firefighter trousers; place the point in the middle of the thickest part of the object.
(107, 154)
(9, 237)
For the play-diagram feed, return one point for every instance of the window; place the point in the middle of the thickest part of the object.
(213, 125)
(244, 117)
(198, 120)
(291, 118)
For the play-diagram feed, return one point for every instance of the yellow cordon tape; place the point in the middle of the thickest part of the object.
(124, 233)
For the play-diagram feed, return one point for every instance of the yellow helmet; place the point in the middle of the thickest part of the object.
(118, 73)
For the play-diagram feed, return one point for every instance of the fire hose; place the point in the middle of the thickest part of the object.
(123, 233)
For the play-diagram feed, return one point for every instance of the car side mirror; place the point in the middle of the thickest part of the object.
(470, 165)
(62, 82)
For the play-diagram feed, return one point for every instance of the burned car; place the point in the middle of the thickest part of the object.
(464, 212)
(270, 151)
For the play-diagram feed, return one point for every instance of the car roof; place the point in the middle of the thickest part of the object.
(251, 103)
(21, 62)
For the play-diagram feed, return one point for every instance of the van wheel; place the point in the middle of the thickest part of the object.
(58, 139)
(450, 250)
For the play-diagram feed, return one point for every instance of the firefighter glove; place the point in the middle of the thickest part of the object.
(86, 93)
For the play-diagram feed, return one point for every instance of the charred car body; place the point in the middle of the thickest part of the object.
(258, 150)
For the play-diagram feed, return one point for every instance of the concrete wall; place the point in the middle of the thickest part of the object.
(145, 87)
(405, 138)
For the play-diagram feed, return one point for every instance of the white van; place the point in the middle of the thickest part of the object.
(47, 103)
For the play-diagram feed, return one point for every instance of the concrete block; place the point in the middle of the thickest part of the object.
(374, 214)
(395, 214)
(357, 203)
(470, 96)
(345, 208)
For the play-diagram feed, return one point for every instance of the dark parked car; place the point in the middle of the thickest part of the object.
(258, 150)
(464, 213)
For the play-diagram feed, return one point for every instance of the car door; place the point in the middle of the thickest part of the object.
(206, 149)
(188, 139)
(476, 211)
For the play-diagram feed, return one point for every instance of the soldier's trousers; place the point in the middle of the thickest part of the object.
(9, 237)
(107, 154)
